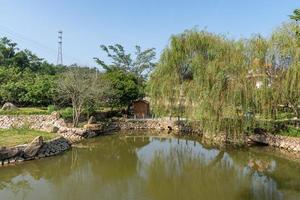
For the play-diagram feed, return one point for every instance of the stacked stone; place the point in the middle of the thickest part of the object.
(71, 137)
(34, 150)
(54, 147)
(156, 124)
(283, 142)
(49, 123)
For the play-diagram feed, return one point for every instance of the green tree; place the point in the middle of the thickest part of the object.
(141, 65)
(40, 91)
(7, 51)
(291, 86)
(124, 88)
(296, 15)
(82, 87)
(25, 79)
(205, 76)
(127, 74)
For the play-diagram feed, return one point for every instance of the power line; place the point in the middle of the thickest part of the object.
(17, 36)
(24, 38)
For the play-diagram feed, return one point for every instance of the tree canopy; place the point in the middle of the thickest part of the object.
(141, 65)
(83, 87)
(227, 83)
(25, 79)
(126, 74)
(296, 15)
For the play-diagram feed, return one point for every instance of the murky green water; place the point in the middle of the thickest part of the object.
(152, 168)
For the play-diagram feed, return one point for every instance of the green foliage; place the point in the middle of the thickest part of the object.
(222, 82)
(51, 109)
(296, 15)
(141, 65)
(196, 77)
(290, 131)
(66, 113)
(124, 88)
(25, 79)
(83, 88)
(25, 87)
(127, 75)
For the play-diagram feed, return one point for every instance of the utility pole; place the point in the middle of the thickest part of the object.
(60, 54)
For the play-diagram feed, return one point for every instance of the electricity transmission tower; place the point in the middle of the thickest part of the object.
(60, 54)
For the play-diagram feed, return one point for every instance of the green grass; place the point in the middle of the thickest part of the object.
(13, 137)
(279, 117)
(291, 131)
(25, 111)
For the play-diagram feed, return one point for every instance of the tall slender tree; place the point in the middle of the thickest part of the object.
(82, 87)
(141, 65)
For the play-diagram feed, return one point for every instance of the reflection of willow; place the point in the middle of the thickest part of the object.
(74, 160)
(270, 175)
(105, 171)
(178, 175)
(286, 173)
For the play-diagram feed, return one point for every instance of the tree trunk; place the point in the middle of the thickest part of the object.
(76, 119)
(76, 116)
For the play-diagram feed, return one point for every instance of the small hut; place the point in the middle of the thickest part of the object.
(141, 108)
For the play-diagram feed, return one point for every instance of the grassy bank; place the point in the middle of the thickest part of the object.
(291, 132)
(25, 111)
(12, 137)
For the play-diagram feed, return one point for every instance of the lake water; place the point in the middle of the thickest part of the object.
(122, 167)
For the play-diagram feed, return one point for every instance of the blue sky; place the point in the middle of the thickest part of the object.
(33, 24)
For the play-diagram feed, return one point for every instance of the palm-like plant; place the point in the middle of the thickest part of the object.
(296, 15)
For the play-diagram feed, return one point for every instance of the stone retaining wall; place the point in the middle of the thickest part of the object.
(278, 141)
(48, 123)
(53, 123)
(35, 150)
(155, 124)
(54, 147)
(38, 148)
(282, 142)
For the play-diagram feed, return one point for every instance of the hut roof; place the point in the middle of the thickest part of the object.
(141, 100)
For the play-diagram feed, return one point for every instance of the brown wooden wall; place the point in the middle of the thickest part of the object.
(141, 109)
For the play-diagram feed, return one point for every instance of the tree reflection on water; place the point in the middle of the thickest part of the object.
(122, 167)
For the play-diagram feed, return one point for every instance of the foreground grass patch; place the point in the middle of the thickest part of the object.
(25, 111)
(291, 131)
(12, 137)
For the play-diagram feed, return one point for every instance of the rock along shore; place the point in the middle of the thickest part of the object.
(67, 136)
(39, 148)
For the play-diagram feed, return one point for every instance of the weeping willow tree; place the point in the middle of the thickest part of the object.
(286, 42)
(203, 76)
(226, 84)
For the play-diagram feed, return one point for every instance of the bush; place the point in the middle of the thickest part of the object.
(51, 109)
(290, 131)
(66, 113)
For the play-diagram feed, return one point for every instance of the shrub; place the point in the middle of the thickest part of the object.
(51, 109)
(66, 113)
